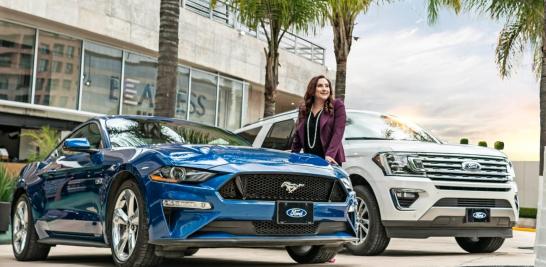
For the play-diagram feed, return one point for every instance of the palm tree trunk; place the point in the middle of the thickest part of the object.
(343, 37)
(271, 81)
(271, 68)
(542, 97)
(341, 76)
(165, 97)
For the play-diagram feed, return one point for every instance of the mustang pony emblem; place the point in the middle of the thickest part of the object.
(291, 187)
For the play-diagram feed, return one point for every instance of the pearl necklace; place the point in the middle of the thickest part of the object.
(311, 146)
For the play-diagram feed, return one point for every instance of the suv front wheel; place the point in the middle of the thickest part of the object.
(372, 238)
(480, 244)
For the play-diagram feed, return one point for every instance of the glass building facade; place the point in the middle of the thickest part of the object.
(60, 71)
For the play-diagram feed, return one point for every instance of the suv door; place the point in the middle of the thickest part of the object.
(72, 181)
(280, 135)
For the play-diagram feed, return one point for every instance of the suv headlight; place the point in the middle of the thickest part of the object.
(402, 164)
(180, 175)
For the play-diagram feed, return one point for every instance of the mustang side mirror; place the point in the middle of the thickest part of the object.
(78, 145)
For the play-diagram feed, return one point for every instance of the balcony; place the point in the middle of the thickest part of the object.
(224, 14)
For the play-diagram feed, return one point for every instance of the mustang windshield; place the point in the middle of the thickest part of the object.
(128, 132)
(366, 126)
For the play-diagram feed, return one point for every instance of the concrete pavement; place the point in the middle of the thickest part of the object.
(401, 252)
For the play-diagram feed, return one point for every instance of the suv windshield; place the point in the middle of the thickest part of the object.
(135, 132)
(367, 126)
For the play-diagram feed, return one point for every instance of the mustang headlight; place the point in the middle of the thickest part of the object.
(402, 164)
(180, 175)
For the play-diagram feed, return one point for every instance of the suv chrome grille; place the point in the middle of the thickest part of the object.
(270, 187)
(451, 167)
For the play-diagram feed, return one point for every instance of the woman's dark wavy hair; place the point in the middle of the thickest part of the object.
(309, 96)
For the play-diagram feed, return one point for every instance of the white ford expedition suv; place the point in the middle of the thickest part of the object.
(411, 185)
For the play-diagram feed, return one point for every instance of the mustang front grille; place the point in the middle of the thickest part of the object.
(283, 187)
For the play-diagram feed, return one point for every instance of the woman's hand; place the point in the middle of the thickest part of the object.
(331, 160)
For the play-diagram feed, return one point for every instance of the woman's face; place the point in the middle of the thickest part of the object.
(322, 91)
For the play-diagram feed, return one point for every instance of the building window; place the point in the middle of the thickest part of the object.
(43, 65)
(139, 90)
(56, 66)
(58, 50)
(183, 84)
(16, 47)
(69, 68)
(70, 51)
(101, 75)
(230, 104)
(50, 93)
(203, 97)
(4, 82)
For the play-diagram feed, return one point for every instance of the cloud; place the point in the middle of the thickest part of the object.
(448, 82)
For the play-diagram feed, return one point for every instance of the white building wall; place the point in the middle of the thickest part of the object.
(134, 24)
(528, 182)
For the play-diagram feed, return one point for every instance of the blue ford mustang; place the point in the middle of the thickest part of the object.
(150, 187)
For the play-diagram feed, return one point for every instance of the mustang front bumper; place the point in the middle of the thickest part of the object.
(239, 223)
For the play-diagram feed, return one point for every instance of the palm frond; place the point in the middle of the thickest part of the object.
(433, 8)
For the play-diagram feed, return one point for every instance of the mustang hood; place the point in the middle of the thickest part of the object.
(210, 156)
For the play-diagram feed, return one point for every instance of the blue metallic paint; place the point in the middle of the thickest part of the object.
(77, 189)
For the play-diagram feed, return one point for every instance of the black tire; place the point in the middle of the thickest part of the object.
(143, 253)
(312, 254)
(480, 244)
(32, 250)
(190, 251)
(376, 240)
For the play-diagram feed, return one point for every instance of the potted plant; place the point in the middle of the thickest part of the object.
(7, 184)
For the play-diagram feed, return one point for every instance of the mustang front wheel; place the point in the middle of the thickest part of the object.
(24, 239)
(129, 228)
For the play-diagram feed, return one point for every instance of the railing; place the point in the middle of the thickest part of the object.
(224, 14)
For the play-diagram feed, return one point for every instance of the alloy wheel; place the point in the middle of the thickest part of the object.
(20, 227)
(125, 225)
(362, 221)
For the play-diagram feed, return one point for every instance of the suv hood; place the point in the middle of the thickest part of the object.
(374, 146)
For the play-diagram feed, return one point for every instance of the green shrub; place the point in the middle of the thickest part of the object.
(499, 145)
(7, 184)
(464, 141)
(482, 143)
(528, 213)
(45, 139)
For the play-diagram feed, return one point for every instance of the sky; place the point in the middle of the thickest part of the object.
(442, 76)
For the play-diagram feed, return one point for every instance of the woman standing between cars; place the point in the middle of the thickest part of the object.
(321, 122)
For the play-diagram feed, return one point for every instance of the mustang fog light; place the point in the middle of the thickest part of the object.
(171, 203)
(403, 198)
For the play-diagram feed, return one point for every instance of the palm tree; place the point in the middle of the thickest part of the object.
(165, 97)
(342, 15)
(524, 28)
(275, 18)
(45, 139)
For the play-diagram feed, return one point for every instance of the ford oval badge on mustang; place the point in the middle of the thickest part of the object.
(296, 213)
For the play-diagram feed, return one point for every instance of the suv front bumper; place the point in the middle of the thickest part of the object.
(426, 218)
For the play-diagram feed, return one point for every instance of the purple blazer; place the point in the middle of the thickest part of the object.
(332, 127)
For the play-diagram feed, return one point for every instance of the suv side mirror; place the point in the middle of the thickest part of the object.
(78, 145)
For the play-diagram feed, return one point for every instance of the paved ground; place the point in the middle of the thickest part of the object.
(401, 252)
